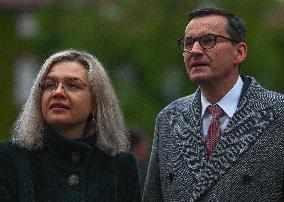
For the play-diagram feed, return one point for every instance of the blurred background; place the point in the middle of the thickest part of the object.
(136, 42)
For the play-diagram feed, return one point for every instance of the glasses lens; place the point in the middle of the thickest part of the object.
(48, 85)
(69, 85)
(181, 43)
(207, 41)
(74, 84)
(188, 43)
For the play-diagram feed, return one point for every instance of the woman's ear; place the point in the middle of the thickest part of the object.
(93, 115)
(241, 53)
(94, 112)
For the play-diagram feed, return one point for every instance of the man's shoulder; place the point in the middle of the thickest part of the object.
(266, 95)
(178, 106)
(264, 99)
(273, 99)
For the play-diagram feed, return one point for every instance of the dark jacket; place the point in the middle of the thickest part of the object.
(66, 170)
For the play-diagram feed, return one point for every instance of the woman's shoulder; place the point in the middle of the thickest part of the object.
(7, 157)
(8, 171)
(8, 150)
(126, 161)
(122, 157)
(125, 157)
(128, 175)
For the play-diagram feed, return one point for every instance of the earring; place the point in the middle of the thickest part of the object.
(93, 120)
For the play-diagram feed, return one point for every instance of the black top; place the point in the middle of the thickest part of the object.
(67, 170)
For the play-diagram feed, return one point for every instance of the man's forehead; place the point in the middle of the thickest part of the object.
(207, 23)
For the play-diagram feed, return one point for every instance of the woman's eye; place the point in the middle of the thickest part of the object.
(50, 85)
(74, 86)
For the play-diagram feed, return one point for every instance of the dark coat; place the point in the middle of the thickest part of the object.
(66, 171)
(247, 164)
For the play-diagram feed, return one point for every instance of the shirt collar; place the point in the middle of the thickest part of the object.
(229, 102)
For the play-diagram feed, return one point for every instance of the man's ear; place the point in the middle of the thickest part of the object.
(241, 53)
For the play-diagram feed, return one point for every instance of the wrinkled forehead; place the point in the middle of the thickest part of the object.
(214, 24)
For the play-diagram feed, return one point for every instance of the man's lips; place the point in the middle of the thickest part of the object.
(198, 64)
(58, 106)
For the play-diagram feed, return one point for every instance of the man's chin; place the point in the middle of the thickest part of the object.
(198, 79)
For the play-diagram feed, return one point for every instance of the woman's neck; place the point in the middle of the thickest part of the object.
(70, 132)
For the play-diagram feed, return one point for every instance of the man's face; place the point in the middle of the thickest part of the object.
(206, 66)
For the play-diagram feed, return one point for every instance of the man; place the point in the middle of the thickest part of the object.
(225, 142)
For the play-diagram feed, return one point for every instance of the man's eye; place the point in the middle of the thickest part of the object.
(189, 42)
(207, 39)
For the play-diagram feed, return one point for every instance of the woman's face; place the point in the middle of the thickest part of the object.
(66, 97)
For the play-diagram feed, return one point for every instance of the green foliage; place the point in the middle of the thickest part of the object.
(9, 44)
(136, 42)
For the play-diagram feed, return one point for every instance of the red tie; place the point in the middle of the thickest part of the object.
(214, 130)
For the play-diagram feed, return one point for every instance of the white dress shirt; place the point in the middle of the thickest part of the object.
(228, 103)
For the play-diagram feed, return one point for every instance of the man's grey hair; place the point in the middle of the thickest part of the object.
(108, 126)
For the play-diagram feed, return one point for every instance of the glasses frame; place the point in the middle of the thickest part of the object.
(180, 42)
(42, 90)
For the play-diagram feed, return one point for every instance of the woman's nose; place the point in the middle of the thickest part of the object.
(59, 89)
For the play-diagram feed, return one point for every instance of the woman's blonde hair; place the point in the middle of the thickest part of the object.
(109, 126)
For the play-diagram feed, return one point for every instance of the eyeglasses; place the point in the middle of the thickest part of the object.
(206, 41)
(70, 85)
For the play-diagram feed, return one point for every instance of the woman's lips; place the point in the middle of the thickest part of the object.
(58, 106)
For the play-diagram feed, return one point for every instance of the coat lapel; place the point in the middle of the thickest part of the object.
(248, 123)
(186, 144)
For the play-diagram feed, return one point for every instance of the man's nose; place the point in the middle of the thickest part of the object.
(196, 48)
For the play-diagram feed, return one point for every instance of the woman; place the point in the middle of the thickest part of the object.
(69, 143)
